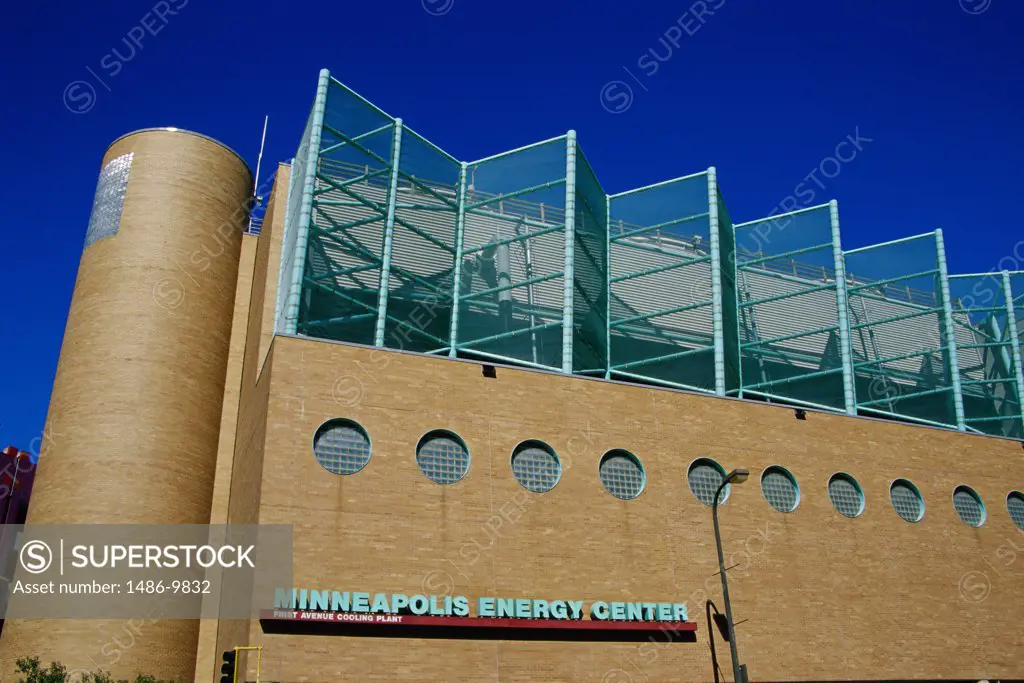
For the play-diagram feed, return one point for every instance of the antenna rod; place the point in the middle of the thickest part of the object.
(255, 200)
(259, 159)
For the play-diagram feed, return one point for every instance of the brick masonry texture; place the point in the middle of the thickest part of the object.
(135, 415)
(816, 596)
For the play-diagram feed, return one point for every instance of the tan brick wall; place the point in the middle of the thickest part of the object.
(243, 508)
(260, 323)
(233, 383)
(253, 320)
(135, 413)
(273, 233)
(816, 595)
(205, 653)
(246, 475)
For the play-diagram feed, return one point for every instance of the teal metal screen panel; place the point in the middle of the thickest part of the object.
(1014, 282)
(727, 299)
(987, 353)
(1017, 303)
(422, 249)
(522, 257)
(790, 333)
(354, 183)
(902, 355)
(511, 289)
(662, 305)
(590, 272)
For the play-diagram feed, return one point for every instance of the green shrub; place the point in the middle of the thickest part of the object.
(58, 673)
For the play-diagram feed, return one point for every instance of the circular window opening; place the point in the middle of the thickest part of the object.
(780, 489)
(968, 506)
(704, 477)
(341, 446)
(907, 500)
(535, 465)
(442, 457)
(846, 494)
(1015, 506)
(622, 474)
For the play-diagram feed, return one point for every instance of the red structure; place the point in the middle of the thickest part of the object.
(17, 474)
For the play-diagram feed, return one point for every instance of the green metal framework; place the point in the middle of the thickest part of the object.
(666, 318)
(902, 333)
(380, 259)
(785, 264)
(523, 258)
(985, 318)
(517, 224)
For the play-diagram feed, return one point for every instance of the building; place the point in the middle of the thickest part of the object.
(17, 473)
(495, 380)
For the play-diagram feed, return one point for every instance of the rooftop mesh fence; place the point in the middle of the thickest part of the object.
(523, 258)
(512, 291)
(901, 329)
(791, 337)
(985, 324)
(663, 304)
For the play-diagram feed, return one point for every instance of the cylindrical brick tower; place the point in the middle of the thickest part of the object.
(133, 423)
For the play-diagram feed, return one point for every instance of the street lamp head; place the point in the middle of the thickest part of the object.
(737, 476)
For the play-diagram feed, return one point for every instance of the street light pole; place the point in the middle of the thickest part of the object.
(738, 477)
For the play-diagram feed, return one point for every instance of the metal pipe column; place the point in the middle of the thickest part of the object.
(291, 320)
(949, 332)
(389, 234)
(460, 228)
(570, 249)
(845, 342)
(717, 315)
(608, 288)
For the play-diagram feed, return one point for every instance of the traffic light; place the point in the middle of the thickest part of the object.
(227, 669)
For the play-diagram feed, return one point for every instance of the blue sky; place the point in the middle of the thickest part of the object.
(764, 91)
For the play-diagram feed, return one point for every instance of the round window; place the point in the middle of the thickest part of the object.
(968, 506)
(341, 446)
(442, 457)
(906, 500)
(780, 489)
(622, 474)
(704, 477)
(1015, 506)
(846, 494)
(536, 466)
